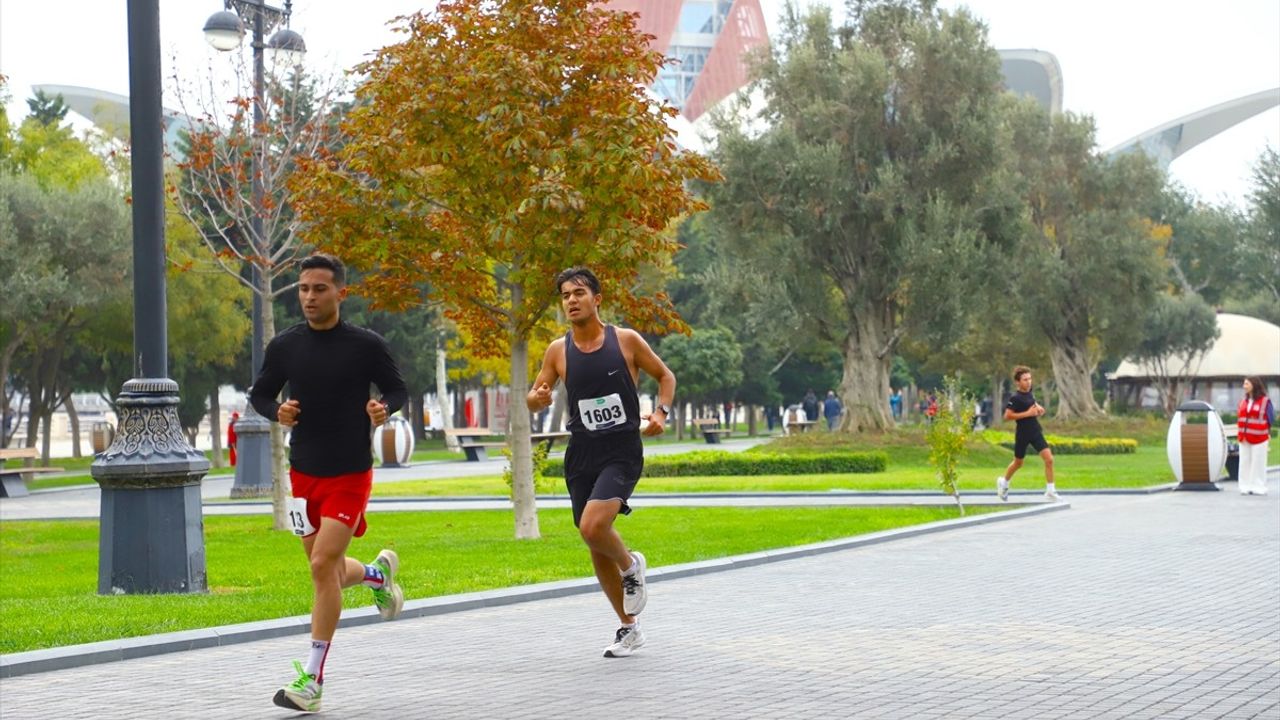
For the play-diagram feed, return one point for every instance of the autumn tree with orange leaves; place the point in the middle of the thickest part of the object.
(496, 145)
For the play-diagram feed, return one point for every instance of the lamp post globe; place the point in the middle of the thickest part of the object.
(287, 47)
(224, 30)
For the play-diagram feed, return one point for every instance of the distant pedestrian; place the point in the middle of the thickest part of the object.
(831, 409)
(1022, 407)
(810, 405)
(931, 408)
(231, 437)
(1256, 417)
(895, 404)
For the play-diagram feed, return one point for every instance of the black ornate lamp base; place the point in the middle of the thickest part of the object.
(151, 538)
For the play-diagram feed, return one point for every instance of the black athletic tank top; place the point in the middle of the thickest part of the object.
(602, 395)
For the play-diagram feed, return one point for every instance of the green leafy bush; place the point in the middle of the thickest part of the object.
(948, 435)
(1071, 445)
(542, 481)
(718, 462)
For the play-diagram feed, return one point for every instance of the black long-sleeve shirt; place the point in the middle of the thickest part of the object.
(329, 373)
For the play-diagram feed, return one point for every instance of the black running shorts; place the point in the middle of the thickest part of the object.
(602, 468)
(1033, 437)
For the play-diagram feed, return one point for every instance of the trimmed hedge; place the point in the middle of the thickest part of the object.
(718, 462)
(1073, 446)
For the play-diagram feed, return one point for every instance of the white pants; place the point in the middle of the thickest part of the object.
(1253, 468)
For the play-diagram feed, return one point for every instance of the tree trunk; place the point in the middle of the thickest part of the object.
(522, 490)
(681, 414)
(442, 395)
(279, 478)
(45, 436)
(865, 383)
(12, 415)
(215, 424)
(73, 418)
(751, 421)
(1073, 375)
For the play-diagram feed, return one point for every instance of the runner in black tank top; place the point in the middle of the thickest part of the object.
(599, 363)
(603, 380)
(605, 455)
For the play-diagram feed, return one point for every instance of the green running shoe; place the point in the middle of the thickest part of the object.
(389, 598)
(303, 694)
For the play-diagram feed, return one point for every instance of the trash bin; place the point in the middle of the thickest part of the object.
(393, 442)
(1233, 462)
(1197, 450)
(100, 436)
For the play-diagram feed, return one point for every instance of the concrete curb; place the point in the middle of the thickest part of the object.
(37, 661)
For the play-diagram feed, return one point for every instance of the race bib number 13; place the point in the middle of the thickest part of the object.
(296, 508)
(603, 412)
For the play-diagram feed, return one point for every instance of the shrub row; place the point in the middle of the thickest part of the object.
(709, 463)
(1073, 446)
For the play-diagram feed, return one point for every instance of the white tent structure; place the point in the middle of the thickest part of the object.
(1245, 346)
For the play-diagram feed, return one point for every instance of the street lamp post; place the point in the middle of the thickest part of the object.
(225, 30)
(151, 533)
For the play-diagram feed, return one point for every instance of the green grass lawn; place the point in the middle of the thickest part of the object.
(48, 579)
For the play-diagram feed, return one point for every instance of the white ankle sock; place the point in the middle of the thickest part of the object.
(315, 661)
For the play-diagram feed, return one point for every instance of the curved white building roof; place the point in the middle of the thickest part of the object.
(1245, 346)
(1170, 140)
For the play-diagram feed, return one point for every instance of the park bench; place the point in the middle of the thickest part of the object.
(710, 429)
(549, 437)
(13, 480)
(794, 424)
(472, 442)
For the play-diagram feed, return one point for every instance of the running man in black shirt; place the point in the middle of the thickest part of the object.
(600, 365)
(1022, 406)
(329, 367)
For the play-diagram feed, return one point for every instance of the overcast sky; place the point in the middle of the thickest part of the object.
(1132, 64)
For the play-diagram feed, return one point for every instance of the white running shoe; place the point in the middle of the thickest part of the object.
(1051, 495)
(389, 598)
(1002, 488)
(625, 642)
(303, 694)
(634, 595)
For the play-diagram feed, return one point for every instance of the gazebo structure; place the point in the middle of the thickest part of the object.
(1245, 346)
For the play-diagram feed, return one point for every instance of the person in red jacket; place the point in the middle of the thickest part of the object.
(231, 437)
(1256, 416)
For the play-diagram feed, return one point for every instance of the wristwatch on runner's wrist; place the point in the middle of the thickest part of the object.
(666, 410)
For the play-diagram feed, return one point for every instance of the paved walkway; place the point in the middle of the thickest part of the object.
(1158, 606)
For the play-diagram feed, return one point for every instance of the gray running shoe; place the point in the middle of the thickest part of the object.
(626, 641)
(634, 595)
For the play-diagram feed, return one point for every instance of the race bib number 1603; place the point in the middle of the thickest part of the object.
(603, 412)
